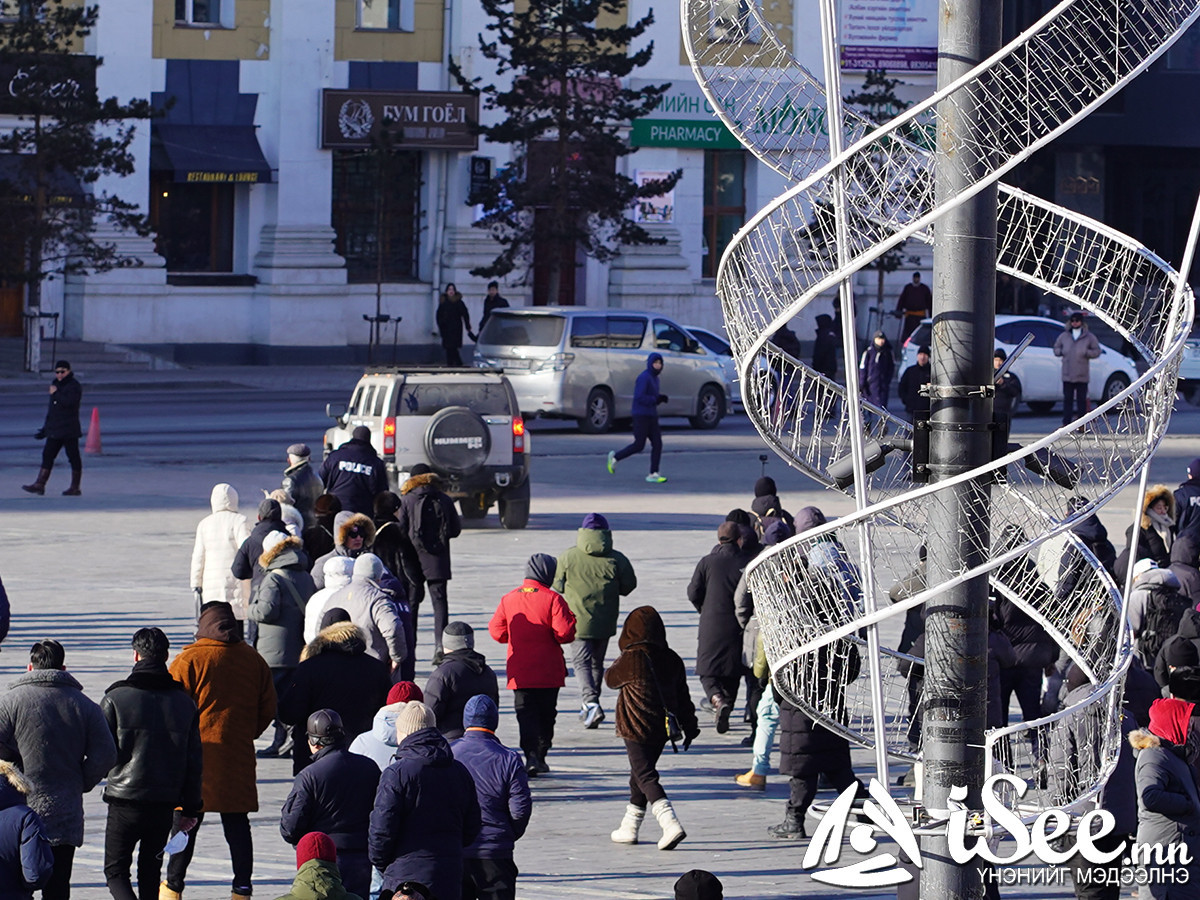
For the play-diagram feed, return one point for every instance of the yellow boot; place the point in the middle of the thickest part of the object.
(165, 893)
(751, 780)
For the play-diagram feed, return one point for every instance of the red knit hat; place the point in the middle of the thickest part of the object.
(1169, 719)
(315, 845)
(403, 691)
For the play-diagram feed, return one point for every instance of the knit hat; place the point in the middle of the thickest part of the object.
(300, 450)
(1193, 469)
(481, 712)
(1181, 653)
(368, 566)
(738, 516)
(315, 845)
(541, 568)
(458, 636)
(273, 539)
(62, 364)
(728, 532)
(361, 433)
(386, 503)
(327, 505)
(269, 511)
(412, 718)
(1142, 566)
(420, 469)
(765, 487)
(698, 885)
(1075, 316)
(595, 521)
(404, 691)
(1076, 677)
(924, 348)
(1000, 354)
(333, 616)
(878, 334)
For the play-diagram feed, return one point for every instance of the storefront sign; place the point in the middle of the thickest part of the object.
(657, 210)
(896, 35)
(46, 80)
(416, 120)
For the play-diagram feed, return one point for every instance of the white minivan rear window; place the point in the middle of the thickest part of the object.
(508, 328)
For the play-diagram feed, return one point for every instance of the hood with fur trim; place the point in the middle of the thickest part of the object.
(416, 481)
(344, 526)
(340, 637)
(13, 786)
(289, 543)
(1153, 495)
(1143, 739)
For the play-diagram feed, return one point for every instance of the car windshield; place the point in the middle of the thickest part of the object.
(427, 398)
(506, 328)
(711, 342)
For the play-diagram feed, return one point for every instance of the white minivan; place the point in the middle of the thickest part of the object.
(581, 363)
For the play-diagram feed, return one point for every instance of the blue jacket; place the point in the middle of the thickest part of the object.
(502, 787)
(646, 390)
(25, 858)
(333, 794)
(425, 814)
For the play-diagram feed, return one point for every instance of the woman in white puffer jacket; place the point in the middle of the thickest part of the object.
(218, 537)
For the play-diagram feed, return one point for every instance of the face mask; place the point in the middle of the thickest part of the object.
(177, 842)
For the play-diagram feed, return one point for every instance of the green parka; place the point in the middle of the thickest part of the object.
(593, 577)
(318, 880)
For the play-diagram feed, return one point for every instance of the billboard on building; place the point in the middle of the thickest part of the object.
(419, 120)
(896, 35)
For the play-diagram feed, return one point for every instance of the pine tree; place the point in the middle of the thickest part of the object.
(66, 138)
(559, 71)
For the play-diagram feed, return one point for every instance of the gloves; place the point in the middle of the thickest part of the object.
(662, 398)
(41, 435)
(687, 742)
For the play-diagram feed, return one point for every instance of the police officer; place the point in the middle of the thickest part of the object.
(354, 473)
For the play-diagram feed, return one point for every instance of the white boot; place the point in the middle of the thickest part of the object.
(673, 832)
(627, 833)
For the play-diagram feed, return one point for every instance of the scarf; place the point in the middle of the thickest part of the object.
(1163, 525)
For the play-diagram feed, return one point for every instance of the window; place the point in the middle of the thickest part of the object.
(522, 330)
(16, 10)
(734, 20)
(386, 15)
(589, 331)
(625, 333)
(376, 214)
(194, 224)
(669, 336)
(427, 398)
(199, 12)
(724, 204)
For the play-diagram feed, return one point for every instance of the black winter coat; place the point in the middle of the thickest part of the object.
(26, 861)
(1187, 506)
(62, 416)
(433, 566)
(719, 639)
(1034, 647)
(245, 561)
(452, 315)
(335, 794)
(354, 473)
(305, 487)
(156, 727)
(462, 675)
(911, 380)
(426, 812)
(335, 673)
(800, 739)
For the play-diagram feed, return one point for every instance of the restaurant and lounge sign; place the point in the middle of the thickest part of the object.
(417, 120)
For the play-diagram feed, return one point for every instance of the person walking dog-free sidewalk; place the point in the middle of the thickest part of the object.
(646, 400)
(61, 430)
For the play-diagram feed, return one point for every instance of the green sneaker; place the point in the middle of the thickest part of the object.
(611, 465)
(655, 478)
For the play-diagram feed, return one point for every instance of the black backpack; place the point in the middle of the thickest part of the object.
(1164, 609)
(428, 528)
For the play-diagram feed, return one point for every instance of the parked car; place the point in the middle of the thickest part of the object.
(581, 363)
(1037, 370)
(719, 347)
(465, 424)
(1189, 368)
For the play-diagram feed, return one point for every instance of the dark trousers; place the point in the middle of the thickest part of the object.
(282, 678)
(241, 853)
(53, 445)
(1099, 888)
(754, 692)
(489, 879)
(437, 596)
(1026, 683)
(723, 686)
(59, 885)
(832, 761)
(536, 710)
(355, 868)
(146, 826)
(644, 789)
(645, 427)
(453, 356)
(1074, 400)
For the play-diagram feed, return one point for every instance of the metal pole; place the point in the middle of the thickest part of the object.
(964, 301)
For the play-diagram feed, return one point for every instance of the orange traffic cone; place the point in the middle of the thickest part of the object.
(93, 437)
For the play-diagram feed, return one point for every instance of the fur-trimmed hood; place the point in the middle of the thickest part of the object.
(344, 523)
(1153, 495)
(288, 543)
(13, 786)
(1141, 739)
(416, 481)
(341, 637)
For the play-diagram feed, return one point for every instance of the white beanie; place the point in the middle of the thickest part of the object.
(412, 718)
(1142, 566)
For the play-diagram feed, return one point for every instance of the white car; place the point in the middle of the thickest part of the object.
(1189, 368)
(1037, 370)
(719, 347)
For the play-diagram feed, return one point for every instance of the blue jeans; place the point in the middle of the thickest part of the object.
(764, 733)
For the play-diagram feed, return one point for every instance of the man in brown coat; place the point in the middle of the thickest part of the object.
(235, 694)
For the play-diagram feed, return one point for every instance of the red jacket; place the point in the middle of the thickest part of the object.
(534, 620)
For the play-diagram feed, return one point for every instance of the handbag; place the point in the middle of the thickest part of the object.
(671, 721)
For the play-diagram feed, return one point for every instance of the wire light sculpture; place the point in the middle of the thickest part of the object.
(814, 603)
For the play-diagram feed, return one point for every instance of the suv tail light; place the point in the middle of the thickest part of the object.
(389, 435)
(518, 428)
(556, 363)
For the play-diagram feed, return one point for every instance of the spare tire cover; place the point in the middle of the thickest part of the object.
(457, 441)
